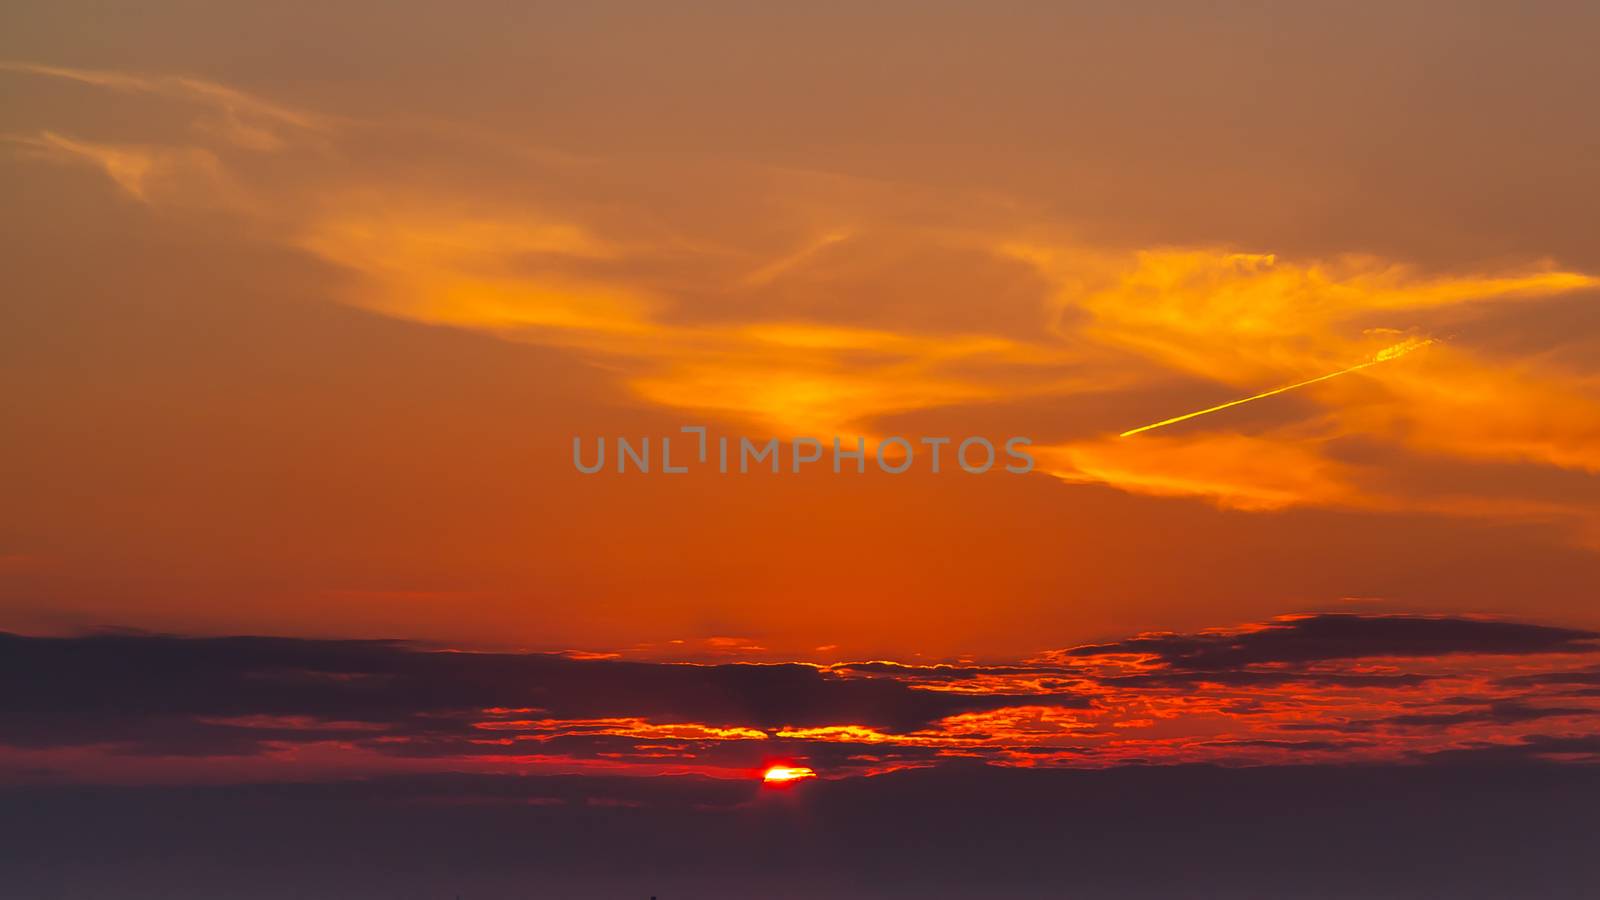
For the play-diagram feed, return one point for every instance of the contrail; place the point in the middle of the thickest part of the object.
(1384, 355)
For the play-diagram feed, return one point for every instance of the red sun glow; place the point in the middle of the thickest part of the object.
(777, 775)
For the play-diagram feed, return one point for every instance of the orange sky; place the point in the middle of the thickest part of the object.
(297, 342)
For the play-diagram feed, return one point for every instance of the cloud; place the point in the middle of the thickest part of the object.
(1536, 748)
(1502, 712)
(141, 171)
(795, 302)
(1408, 685)
(104, 688)
(1254, 322)
(1298, 640)
(237, 117)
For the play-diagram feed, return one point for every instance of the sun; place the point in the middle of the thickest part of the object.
(782, 775)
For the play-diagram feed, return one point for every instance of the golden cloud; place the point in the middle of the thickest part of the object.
(681, 321)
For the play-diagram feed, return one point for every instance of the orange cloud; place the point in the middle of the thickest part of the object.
(677, 315)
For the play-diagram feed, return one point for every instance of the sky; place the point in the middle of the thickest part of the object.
(306, 304)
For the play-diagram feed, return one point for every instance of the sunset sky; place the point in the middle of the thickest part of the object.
(305, 304)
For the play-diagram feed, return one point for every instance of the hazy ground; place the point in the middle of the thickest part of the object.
(1437, 831)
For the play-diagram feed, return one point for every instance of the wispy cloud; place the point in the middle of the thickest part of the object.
(837, 315)
(138, 170)
(237, 117)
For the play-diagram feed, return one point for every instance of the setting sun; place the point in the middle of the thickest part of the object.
(786, 774)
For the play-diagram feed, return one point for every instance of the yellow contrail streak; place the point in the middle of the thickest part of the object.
(1384, 355)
